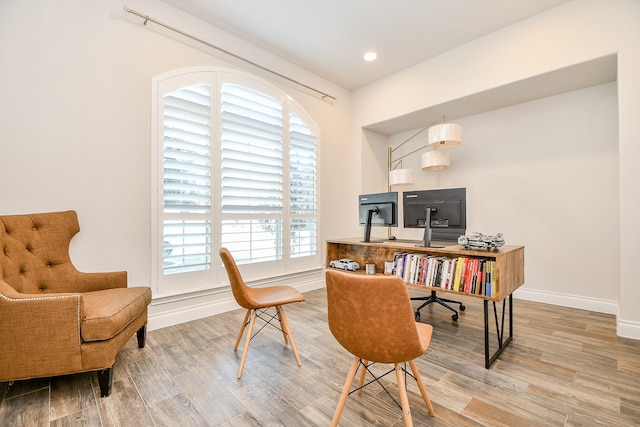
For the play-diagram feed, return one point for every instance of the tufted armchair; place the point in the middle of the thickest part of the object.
(55, 320)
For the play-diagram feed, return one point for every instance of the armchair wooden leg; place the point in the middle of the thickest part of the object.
(421, 386)
(285, 327)
(105, 378)
(244, 325)
(404, 400)
(345, 392)
(142, 336)
(248, 340)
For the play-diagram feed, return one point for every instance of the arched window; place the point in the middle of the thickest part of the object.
(235, 165)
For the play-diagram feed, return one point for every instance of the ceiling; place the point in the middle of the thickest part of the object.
(330, 37)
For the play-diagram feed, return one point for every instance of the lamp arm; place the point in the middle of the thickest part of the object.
(416, 134)
(408, 154)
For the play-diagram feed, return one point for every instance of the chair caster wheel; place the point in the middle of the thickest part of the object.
(417, 316)
(463, 308)
(454, 317)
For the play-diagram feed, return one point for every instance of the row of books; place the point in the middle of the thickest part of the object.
(470, 275)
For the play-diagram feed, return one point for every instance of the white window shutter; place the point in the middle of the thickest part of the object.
(251, 174)
(187, 179)
(236, 167)
(303, 188)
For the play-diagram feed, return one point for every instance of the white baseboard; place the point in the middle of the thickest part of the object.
(180, 315)
(628, 329)
(624, 328)
(164, 315)
(565, 300)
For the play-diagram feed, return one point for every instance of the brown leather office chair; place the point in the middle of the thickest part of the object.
(257, 301)
(372, 318)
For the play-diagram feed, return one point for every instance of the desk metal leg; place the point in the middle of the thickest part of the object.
(502, 343)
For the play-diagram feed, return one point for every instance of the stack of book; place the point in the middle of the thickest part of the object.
(471, 275)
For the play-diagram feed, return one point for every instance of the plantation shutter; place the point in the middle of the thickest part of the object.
(187, 179)
(251, 170)
(235, 162)
(303, 188)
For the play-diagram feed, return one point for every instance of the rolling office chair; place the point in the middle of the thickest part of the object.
(442, 301)
(257, 301)
(433, 297)
(372, 318)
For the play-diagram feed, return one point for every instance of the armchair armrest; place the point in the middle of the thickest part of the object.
(88, 282)
(38, 331)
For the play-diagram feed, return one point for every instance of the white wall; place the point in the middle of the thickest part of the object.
(575, 32)
(75, 124)
(75, 84)
(545, 174)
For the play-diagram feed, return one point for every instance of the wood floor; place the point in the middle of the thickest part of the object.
(565, 367)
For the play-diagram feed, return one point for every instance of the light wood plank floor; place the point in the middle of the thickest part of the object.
(565, 367)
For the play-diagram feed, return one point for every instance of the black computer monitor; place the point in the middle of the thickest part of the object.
(445, 211)
(377, 210)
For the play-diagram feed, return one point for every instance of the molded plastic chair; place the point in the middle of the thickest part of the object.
(257, 301)
(372, 318)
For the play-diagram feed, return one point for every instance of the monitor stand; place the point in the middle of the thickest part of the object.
(426, 239)
(367, 227)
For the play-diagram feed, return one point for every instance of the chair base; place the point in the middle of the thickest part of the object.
(402, 388)
(442, 301)
(249, 320)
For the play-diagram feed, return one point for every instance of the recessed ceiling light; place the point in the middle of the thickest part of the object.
(370, 56)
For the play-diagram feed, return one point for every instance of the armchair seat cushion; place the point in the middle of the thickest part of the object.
(109, 311)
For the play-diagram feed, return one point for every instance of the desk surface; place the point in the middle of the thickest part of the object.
(437, 247)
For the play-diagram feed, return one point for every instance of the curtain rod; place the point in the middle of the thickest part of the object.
(199, 40)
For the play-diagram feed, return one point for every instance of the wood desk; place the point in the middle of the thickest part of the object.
(509, 275)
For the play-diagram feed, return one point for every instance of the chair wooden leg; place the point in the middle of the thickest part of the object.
(244, 324)
(105, 379)
(345, 392)
(248, 340)
(284, 333)
(365, 363)
(285, 327)
(421, 386)
(404, 400)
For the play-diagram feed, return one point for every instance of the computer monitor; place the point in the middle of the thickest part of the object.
(444, 211)
(377, 210)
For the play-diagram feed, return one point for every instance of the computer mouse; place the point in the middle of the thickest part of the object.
(392, 237)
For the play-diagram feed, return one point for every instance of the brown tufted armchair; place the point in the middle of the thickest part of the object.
(55, 320)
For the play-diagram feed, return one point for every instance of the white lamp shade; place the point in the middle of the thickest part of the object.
(435, 160)
(401, 177)
(445, 135)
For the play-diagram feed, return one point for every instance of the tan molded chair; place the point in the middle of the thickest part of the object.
(372, 318)
(257, 301)
(55, 320)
